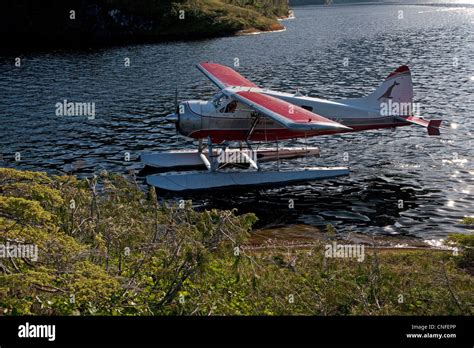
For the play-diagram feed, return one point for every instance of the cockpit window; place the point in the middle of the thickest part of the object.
(230, 108)
(219, 100)
(223, 103)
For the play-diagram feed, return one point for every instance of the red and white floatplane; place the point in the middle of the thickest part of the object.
(245, 115)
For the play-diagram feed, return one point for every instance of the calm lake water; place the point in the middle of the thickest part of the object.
(431, 176)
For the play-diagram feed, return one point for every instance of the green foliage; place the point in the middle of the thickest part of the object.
(216, 17)
(464, 242)
(468, 220)
(119, 251)
(104, 244)
(330, 230)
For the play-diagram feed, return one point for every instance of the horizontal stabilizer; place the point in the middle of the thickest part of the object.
(432, 125)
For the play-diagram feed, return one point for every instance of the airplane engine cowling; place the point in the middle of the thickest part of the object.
(188, 121)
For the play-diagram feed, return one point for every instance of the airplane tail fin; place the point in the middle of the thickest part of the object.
(396, 90)
(394, 97)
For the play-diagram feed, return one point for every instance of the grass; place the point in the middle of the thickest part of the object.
(468, 220)
(107, 248)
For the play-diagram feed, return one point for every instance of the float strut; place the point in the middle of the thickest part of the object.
(212, 160)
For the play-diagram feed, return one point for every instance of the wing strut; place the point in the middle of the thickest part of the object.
(252, 128)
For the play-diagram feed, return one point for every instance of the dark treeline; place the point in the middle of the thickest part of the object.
(322, 2)
(25, 23)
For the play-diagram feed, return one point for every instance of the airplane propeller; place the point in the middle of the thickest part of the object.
(173, 117)
(176, 99)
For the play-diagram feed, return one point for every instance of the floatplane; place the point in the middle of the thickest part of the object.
(247, 115)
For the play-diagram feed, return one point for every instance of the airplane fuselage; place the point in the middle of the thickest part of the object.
(214, 118)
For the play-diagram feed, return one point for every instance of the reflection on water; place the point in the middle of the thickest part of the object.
(402, 182)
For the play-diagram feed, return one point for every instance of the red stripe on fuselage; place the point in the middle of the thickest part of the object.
(219, 136)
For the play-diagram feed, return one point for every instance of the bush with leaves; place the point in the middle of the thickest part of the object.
(105, 247)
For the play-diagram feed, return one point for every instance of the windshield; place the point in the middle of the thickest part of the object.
(219, 99)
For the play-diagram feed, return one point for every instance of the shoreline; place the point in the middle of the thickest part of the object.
(23, 47)
(257, 32)
(303, 237)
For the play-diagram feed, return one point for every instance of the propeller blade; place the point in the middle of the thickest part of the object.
(176, 99)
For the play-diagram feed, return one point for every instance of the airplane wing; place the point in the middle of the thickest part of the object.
(288, 115)
(224, 76)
